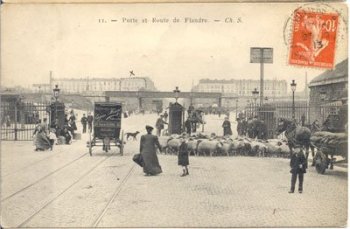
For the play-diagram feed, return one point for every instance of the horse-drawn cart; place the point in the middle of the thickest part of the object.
(106, 127)
(327, 143)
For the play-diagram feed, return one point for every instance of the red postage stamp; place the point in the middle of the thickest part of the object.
(313, 39)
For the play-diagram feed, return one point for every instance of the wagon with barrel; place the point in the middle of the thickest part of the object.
(107, 127)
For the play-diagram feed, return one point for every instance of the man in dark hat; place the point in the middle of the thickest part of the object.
(298, 166)
(160, 125)
(148, 149)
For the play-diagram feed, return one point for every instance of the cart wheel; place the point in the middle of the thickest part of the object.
(320, 164)
(122, 144)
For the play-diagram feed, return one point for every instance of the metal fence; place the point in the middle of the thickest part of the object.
(335, 113)
(18, 119)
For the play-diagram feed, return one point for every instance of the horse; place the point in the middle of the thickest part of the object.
(296, 136)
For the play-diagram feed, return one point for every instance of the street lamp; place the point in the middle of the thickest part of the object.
(177, 92)
(56, 92)
(293, 86)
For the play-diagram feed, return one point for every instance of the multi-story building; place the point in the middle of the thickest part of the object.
(136, 84)
(272, 88)
(329, 92)
(97, 85)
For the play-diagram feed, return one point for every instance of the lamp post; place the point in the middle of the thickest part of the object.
(255, 96)
(56, 94)
(293, 86)
(177, 92)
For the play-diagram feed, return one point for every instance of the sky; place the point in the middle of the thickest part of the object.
(71, 41)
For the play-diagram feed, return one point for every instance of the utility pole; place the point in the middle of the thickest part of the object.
(261, 76)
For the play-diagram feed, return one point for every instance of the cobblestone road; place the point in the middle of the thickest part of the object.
(68, 188)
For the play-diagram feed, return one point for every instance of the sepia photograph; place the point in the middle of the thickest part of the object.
(174, 115)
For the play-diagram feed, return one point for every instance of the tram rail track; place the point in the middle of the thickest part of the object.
(33, 163)
(115, 194)
(28, 219)
(43, 178)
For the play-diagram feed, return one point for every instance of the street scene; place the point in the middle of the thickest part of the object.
(203, 138)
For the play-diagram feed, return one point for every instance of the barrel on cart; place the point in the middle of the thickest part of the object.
(107, 127)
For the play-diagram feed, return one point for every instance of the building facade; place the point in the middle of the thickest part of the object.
(242, 88)
(328, 92)
(97, 85)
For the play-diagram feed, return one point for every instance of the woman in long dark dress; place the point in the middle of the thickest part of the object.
(227, 127)
(183, 157)
(148, 149)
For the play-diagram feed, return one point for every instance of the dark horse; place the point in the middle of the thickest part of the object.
(298, 136)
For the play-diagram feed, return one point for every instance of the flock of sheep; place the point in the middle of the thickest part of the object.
(201, 144)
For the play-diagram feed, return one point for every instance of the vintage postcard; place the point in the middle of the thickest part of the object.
(174, 115)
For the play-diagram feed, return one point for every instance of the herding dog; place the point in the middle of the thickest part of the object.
(133, 135)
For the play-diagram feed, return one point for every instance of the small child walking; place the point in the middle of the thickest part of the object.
(182, 156)
(298, 166)
(52, 137)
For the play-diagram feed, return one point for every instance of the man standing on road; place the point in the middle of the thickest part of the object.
(90, 119)
(148, 149)
(84, 122)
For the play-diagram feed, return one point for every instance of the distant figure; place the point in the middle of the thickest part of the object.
(298, 166)
(227, 127)
(182, 156)
(66, 119)
(84, 122)
(52, 137)
(90, 119)
(303, 120)
(45, 126)
(239, 127)
(71, 121)
(148, 146)
(8, 121)
(67, 136)
(55, 126)
(166, 116)
(188, 126)
(160, 125)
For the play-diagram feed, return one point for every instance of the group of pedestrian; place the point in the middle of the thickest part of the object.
(87, 121)
(252, 127)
